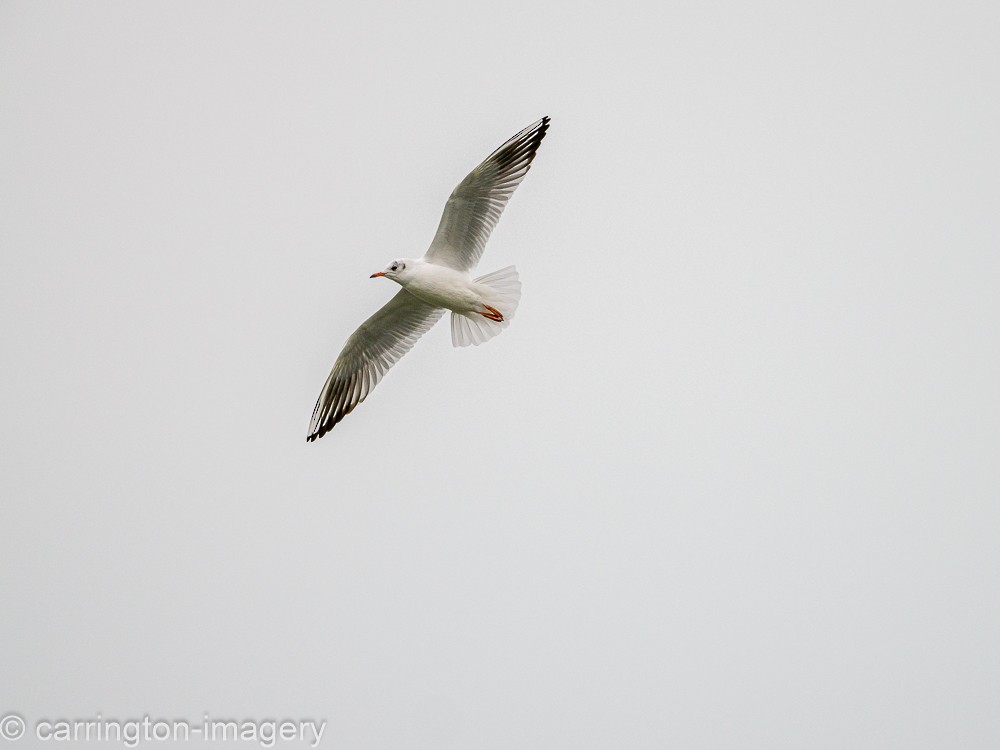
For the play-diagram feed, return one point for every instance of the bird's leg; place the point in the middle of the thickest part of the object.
(492, 313)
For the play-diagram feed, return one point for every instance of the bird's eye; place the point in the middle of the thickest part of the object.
(393, 266)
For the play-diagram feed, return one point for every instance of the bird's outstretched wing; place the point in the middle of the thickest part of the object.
(371, 350)
(474, 207)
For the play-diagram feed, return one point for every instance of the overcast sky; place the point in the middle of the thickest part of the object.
(729, 480)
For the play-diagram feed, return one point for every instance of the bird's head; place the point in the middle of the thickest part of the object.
(397, 270)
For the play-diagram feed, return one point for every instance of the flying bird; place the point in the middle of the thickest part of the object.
(439, 281)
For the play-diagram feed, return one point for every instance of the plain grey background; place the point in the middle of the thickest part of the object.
(728, 481)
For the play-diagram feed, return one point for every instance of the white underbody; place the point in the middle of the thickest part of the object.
(480, 307)
(445, 287)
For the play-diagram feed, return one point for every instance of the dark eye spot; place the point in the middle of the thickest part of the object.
(393, 266)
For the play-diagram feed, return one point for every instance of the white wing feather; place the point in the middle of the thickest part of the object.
(377, 345)
(474, 207)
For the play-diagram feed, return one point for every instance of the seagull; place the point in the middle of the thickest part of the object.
(439, 281)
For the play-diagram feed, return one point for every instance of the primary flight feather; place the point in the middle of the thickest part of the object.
(439, 281)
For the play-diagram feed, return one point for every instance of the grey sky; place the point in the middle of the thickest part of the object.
(729, 479)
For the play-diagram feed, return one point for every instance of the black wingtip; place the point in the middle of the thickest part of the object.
(521, 147)
(540, 129)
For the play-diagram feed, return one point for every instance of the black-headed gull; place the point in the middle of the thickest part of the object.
(439, 281)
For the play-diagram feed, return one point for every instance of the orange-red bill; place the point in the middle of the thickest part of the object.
(376, 274)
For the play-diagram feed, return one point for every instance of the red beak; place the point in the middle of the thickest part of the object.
(376, 274)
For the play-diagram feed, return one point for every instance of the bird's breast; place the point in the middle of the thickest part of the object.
(444, 287)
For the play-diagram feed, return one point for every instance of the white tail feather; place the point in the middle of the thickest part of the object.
(504, 294)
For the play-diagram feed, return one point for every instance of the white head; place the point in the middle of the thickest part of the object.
(397, 270)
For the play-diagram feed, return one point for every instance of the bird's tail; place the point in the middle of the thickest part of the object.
(504, 292)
